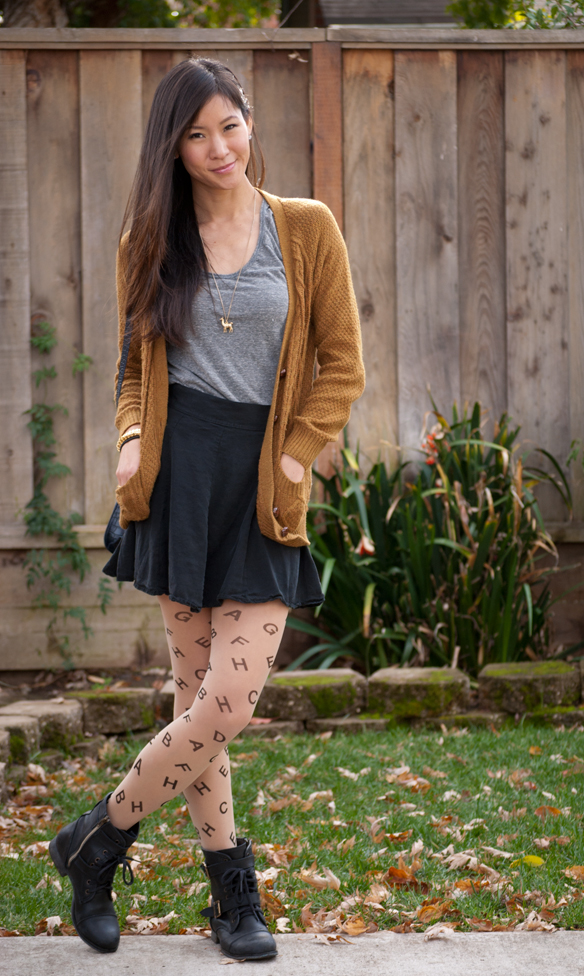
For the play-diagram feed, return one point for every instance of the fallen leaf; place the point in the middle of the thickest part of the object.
(376, 894)
(442, 930)
(434, 773)
(535, 923)
(272, 905)
(432, 909)
(399, 838)
(345, 845)
(354, 925)
(321, 881)
(486, 925)
(531, 859)
(283, 924)
(535, 750)
(576, 872)
(544, 812)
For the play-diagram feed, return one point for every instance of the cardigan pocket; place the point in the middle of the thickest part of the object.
(131, 498)
(290, 499)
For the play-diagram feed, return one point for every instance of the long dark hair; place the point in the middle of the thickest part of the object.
(165, 255)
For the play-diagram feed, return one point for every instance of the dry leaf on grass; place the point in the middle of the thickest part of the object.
(345, 845)
(283, 924)
(355, 925)
(576, 872)
(399, 838)
(376, 894)
(9, 933)
(535, 923)
(442, 930)
(148, 926)
(545, 811)
(321, 881)
(272, 905)
(486, 925)
(404, 876)
(432, 909)
(544, 842)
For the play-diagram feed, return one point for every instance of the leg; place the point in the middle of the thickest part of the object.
(189, 644)
(244, 642)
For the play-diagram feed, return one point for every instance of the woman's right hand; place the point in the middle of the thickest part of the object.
(129, 461)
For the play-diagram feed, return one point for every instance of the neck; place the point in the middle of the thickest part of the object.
(215, 205)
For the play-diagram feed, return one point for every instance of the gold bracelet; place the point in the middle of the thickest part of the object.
(128, 435)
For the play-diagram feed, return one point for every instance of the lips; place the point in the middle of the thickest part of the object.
(224, 169)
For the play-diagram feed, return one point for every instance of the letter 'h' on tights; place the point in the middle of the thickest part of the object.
(221, 659)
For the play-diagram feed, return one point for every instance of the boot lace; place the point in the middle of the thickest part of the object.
(243, 883)
(105, 876)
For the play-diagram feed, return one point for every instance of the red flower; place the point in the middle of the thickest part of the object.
(366, 547)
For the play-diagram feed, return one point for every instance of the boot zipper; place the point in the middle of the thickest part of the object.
(86, 838)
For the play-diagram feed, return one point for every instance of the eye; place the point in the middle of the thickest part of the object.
(195, 135)
(232, 125)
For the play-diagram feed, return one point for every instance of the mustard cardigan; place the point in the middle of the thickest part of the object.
(305, 413)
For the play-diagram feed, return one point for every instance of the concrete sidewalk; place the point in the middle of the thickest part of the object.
(466, 954)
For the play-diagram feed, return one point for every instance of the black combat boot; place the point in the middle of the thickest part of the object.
(237, 921)
(89, 851)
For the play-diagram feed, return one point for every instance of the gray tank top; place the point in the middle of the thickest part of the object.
(241, 365)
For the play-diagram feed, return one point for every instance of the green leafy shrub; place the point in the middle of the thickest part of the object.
(522, 14)
(440, 563)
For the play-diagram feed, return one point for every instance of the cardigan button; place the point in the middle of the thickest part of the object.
(276, 511)
(282, 373)
(275, 418)
(285, 531)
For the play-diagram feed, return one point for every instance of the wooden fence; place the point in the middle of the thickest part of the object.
(452, 161)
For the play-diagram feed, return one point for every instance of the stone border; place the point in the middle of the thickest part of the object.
(326, 701)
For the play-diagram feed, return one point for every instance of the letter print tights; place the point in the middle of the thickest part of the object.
(221, 659)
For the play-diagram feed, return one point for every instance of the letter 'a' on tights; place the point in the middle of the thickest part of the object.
(221, 659)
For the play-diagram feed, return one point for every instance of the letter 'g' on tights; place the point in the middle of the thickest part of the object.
(221, 659)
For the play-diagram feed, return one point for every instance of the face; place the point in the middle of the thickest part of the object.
(215, 149)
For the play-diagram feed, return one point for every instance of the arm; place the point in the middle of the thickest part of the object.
(129, 407)
(335, 320)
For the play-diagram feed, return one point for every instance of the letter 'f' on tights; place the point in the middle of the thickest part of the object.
(221, 659)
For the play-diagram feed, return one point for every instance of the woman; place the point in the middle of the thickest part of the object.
(230, 291)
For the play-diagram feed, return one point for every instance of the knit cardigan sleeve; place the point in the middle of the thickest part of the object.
(130, 405)
(337, 335)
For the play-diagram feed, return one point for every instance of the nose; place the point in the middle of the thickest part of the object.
(219, 147)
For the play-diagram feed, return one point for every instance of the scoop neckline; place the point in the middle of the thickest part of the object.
(233, 274)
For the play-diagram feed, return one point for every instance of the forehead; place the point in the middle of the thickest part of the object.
(215, 110)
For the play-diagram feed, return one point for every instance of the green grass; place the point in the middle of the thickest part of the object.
(282, 769)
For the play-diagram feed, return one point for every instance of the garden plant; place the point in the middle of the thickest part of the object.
(446, 562)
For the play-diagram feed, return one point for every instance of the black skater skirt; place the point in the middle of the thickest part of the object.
(201, 543)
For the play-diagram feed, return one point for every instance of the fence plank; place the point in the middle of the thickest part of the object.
(369, 216)
(55, 248)
(481, 246)
(327, 101)
(155, 64)
(537, 310)
(282, 115)
(110, 143)
(575, 155)
(426, 236)
(15, 358)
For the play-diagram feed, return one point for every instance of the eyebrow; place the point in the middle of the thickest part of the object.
(223, 121)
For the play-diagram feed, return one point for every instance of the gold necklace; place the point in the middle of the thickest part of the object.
(227, 325)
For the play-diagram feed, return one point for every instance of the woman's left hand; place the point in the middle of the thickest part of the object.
(292, 468)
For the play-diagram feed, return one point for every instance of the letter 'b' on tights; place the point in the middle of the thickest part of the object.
(242, 645)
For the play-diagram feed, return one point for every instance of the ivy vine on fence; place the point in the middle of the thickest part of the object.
(51, 572)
